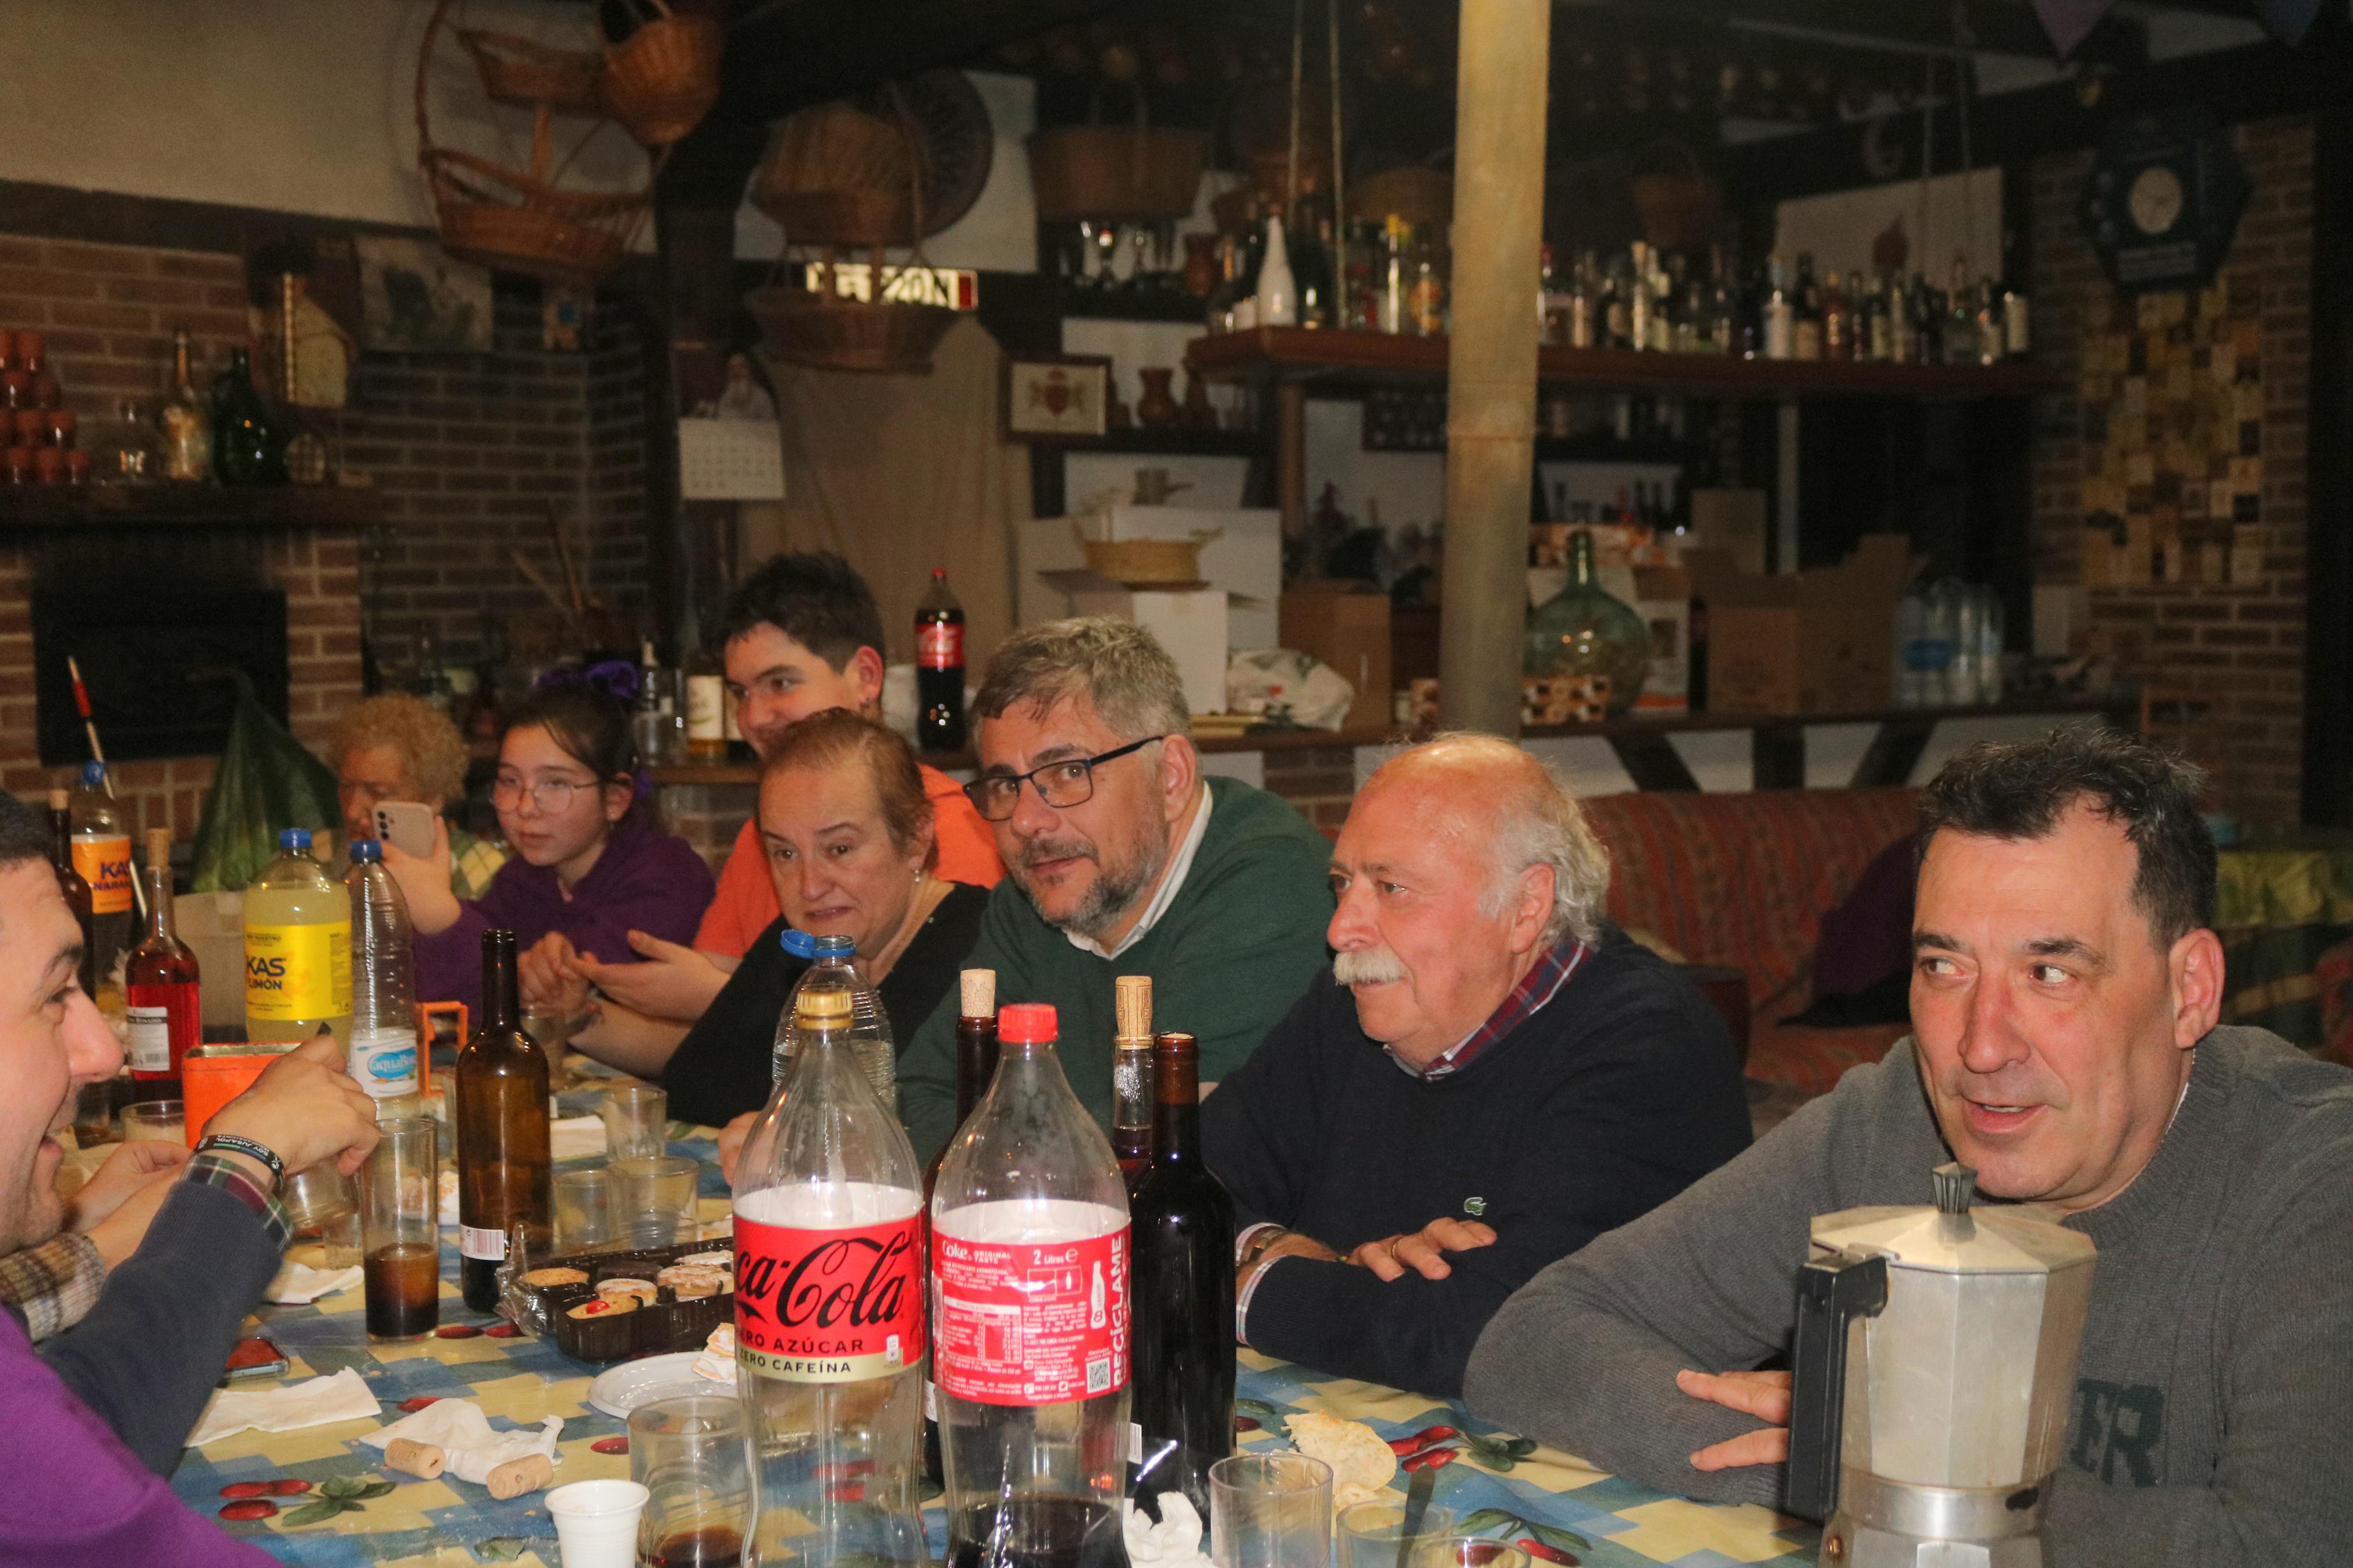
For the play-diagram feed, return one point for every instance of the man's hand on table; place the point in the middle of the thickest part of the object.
(306, 1109)
(673, 980)
(1764, 1394)
(1423, 1251)
(114, 1207)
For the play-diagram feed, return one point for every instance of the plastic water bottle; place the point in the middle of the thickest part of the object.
(833, 962)
(298, 948)
(383, 1055)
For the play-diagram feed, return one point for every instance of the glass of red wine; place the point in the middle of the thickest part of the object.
(689, 1454)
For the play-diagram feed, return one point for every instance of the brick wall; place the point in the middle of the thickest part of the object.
(2219, 651)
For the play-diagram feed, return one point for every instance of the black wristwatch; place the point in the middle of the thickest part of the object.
(247, 1146)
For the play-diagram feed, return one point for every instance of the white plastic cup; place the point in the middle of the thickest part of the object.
(597, 1522)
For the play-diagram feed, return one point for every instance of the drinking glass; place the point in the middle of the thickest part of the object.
(653, 1198)
(1270, 1510)
(399, 1203)
(584, 1209)
(637, 1122)
(689, 1454)
(1372, 1534)
(597, 1522)
(1466, 1551)
(319, 1203)
(93, 1122)
(162, 1121)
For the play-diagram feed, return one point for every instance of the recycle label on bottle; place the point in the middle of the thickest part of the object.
(148, 1040)
(294, 972)
(1032, 1324)
(104, 862)
(834, 1305)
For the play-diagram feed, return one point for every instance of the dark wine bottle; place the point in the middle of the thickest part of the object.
(505, 1174)
(1184, 1241)
(1131, 1077)
(74, 886)
(976, 1063)
(939, 668)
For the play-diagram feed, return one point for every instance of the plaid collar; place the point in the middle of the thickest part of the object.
(1539, 985)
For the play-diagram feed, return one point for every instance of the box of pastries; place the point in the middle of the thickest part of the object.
(617, 1306)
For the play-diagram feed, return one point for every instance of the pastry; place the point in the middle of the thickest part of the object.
(691, 1282)
(1362, 1463)
(641, 1291)
(547, 1278)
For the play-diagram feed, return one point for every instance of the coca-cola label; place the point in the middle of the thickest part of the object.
(1030, 1323)
(828, 1305)
(939, 645)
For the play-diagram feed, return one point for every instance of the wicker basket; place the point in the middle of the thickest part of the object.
(525, 73)
(1116, 174)
(827, 332)
(1417, 193)
(1145, 563)
(837, 175)
(1682, 205)
(664, 78)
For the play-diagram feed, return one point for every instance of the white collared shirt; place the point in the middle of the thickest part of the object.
(1172, 882)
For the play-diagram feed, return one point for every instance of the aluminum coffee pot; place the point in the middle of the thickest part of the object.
(1935, 1376)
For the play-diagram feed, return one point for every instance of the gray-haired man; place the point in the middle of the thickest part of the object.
(1121, 858)
(2064, 988)
(1486, 1079)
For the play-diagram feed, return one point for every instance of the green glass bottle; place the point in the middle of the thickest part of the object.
(1585, 630)
(247, 446)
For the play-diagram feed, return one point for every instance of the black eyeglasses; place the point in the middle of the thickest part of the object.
(1059, 784)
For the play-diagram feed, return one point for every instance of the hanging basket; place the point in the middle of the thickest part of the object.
(838, 176)
(1116, 174)
(663, 79)
(827, 332)
(1422, 195)
(525, 73)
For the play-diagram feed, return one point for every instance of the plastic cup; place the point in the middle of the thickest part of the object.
(1372, 1534)
(637, 1122)
(584, 1209)
(653, 1199)
(1271, 1510)
(597, 1522)
(321, 1203)
(1466, 1551)
(162, 1121)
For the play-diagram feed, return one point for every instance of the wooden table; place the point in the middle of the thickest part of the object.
(1575, 1511)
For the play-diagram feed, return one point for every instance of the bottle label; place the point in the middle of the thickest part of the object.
(298, 973)
(939, 645)
(483, 1244)
(104, 861)
(706, 703)
(837, 1305)
(384, 1061)
(148, 1040)
(1024, 1323)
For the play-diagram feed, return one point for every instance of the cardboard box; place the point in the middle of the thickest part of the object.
(1349, 631)
(1812, 642)
(1730, 520)
(1190, 624)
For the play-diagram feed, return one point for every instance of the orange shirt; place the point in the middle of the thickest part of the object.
(746, 900)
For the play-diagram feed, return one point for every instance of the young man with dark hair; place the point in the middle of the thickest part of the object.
(96, 1418)
(797, 637)
(2065, 985)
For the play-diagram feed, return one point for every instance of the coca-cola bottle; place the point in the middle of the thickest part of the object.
(939, 668)
(829, 1313)
(1030, 1286)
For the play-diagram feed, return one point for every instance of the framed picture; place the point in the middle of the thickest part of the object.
(1056, 397)
(415, 299)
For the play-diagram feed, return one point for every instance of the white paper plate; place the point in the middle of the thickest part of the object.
(622, 1389)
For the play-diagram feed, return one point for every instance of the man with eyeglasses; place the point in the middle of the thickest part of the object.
(1122, 859)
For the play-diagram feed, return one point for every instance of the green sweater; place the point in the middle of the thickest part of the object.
(1230, 954)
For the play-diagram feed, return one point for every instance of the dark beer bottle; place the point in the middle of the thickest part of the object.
(74, 886)
(939, 668)
(504, 1167)
(1183, 1224)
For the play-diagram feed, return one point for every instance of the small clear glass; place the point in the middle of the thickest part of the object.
(1466, 1551)
(161, 1121)
(1271, 1510)
(689, 1456)
(584, 1209)
(1372, 1534)
(637, 1122)
(654, 1199)
(399, 1203)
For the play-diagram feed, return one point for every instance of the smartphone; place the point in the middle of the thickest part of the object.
(254, 1358)
(407, 824)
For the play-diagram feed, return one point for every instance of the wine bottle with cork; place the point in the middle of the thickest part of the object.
(160, 979)
(1131, 1077)
(976, 1065)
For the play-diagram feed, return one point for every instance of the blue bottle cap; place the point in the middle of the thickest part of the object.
(93, 773)
(366, 852)
(294, 838)
(800, 943)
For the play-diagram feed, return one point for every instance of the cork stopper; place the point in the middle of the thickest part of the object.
(159, 847)
(976, 990)
(828, 1007)
(58, 800)
(1132, 994)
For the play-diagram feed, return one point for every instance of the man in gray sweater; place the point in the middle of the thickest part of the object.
(2065, 992)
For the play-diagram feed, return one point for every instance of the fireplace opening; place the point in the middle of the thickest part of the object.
(160, 666)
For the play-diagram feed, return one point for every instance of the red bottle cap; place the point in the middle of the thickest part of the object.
(1025, 1023)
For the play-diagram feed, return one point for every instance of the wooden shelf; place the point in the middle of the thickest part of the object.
(285, 507)
(1304, 354)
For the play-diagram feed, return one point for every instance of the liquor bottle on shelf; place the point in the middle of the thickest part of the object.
(1838, 319)
(829, 1308)
(1278, 290)
(73, 885)
(653, 718)
(2017, 340)
(1638, 297)
(1033, 1384)
(939, 668)
(383, 1057)
(1312, 274)
(249, 447)
(706, 710)
(1960, 318)
(160, 980)
(1396, 277)
(1426, 302)
(1779, 313)
(1183, 1230)
(1584, 303)
(505, 1172)
(1806, 314)
(186, 424)
(1219, 309)
(1927, 323)
(1131, 1076)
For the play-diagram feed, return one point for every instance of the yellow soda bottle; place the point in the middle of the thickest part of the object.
(298, 948)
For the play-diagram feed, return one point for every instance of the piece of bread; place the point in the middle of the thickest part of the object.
(1361, 1460)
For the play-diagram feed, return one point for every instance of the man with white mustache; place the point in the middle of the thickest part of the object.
(2066, 986)
(1489, 1077)
(1121, 858)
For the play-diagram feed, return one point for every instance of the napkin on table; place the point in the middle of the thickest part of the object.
(1174, 1543)
(576, 1136)
(298, 1283)
(472, 1450)
(322, 1400)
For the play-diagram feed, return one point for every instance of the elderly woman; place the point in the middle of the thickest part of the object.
(399, 747)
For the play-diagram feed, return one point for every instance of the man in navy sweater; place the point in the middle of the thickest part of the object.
(1489, 1077)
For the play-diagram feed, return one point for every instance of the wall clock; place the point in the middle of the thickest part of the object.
(2163, 200)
